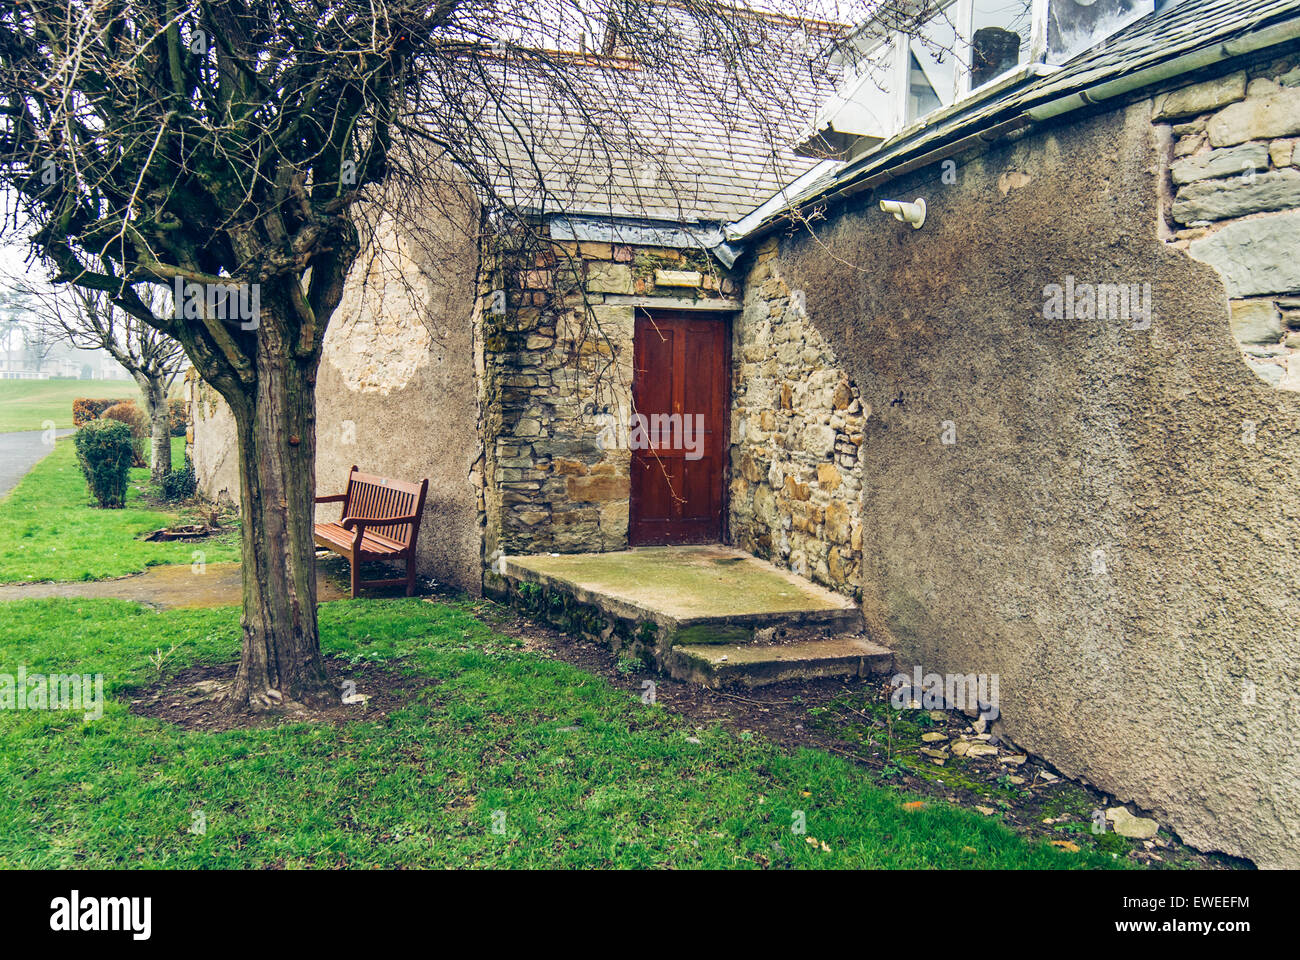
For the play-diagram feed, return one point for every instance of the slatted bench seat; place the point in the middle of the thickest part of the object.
(380, 521)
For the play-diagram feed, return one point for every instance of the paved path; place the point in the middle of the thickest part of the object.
(19, 452)
(174, 585)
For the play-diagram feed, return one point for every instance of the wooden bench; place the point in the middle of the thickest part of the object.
(380, 521)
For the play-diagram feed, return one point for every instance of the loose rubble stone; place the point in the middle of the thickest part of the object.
(1127, 825)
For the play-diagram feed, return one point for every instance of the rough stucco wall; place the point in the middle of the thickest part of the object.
(396, 389)
(1101, 534)
(216, 459)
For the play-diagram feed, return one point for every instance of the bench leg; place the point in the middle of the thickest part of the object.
(356, 575)
(410, 575)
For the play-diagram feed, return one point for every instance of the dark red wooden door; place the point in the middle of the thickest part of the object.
(679, 427)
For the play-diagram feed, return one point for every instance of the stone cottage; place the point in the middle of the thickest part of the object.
(1013, 369)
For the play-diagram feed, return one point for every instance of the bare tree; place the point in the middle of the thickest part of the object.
(38, 344)
(222, 148)
(88, 319)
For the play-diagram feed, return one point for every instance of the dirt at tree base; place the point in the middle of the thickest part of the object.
(193, 698)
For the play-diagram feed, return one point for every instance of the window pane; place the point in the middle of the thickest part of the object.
(932, 73)
(1001, 33)
(877, 92)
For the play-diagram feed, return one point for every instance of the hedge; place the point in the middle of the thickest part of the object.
(177, 416)
(105, 452)
(127, 412)
(86, 409)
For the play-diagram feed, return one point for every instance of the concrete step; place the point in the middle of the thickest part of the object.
(687, 595)
(756, 664)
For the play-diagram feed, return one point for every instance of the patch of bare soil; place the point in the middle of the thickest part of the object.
(193, 698)
(812, 713)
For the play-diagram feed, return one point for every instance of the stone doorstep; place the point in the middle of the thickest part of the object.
(755, 665)
(820, 636)
(732, 629)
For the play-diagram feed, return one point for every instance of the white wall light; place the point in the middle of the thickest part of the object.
(913, 213)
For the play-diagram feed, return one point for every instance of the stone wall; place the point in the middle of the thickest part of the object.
(1103, 513)
(558, 323)
(797, 421)
(1234, 201)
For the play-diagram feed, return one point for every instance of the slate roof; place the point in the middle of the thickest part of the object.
(612, 140)
(1154, 39)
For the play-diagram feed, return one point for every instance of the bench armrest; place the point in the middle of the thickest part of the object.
(350, 522)
(332, 498)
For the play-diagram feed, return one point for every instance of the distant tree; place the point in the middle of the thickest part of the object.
(88, 319)
(38, 344)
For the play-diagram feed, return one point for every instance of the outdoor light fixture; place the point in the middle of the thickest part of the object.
(913, 213)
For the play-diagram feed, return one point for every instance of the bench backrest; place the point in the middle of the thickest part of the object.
(370, 497)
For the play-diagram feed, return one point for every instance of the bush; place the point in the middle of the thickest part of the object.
(180, 483)
(86, 409)
(177, 416)
(105, 452)
(135, 420)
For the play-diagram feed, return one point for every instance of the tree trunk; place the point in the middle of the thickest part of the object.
(276, 431)
(160, 426)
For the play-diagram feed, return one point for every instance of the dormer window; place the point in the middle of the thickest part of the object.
(954, 51)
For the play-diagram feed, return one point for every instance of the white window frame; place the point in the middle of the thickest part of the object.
(963, 93)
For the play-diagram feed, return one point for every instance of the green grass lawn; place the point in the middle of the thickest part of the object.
(50, 531)
(28, 404)
(502, 758)
(499, 757)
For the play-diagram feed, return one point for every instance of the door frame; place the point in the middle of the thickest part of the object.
(724, 317)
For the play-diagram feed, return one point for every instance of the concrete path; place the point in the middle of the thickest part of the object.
(19, 452)
(172, 585)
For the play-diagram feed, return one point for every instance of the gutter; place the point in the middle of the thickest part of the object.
(742, 232)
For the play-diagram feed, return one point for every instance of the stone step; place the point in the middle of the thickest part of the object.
(764, 628)
(688, 595)
(756, 664)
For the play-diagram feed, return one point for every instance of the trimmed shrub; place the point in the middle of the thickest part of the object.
(180, 483)
(135, 420)
(177, 416)
(105, 452)
(85, 409)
